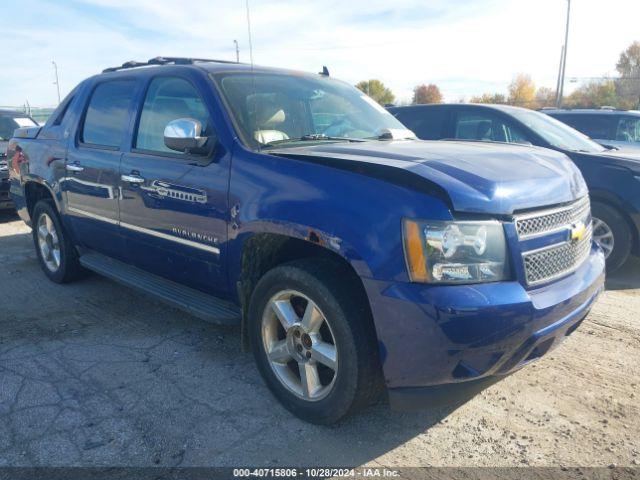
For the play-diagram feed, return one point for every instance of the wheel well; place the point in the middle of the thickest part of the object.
(34, 192)
(265, 251)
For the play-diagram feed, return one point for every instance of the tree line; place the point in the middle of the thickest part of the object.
(621, 92)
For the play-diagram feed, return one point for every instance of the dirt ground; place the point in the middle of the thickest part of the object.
(92, 374)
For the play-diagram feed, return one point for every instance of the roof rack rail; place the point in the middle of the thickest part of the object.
(164, 61)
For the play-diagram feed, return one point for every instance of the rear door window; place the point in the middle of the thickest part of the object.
(486, 126)
(107, 117)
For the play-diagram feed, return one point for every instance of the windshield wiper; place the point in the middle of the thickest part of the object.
(312, 137)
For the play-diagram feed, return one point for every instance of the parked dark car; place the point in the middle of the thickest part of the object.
(613, 177)
(9, 121)
(353, 256)
(609, 127)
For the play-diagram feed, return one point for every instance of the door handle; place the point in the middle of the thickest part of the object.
(132, 179)
(73, 167)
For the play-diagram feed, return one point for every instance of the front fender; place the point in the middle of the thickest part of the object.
(356, 216)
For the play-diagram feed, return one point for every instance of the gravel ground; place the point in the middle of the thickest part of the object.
(91, 374)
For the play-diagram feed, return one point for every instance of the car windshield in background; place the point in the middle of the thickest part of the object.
(9, 124)
(555, 132)
(273, 109)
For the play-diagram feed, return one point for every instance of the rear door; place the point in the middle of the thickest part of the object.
(92, 180)
(173, 209)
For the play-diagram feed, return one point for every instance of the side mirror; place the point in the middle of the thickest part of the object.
(184, 135)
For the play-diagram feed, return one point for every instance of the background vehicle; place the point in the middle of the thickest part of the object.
(612, 177)
(9, 121)
(609, 127)
(291, 203)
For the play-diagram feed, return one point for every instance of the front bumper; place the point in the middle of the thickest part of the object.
(450, 338)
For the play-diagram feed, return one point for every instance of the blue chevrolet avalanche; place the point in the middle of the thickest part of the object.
(357, 260)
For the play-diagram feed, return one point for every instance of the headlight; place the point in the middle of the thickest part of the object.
(455, 252)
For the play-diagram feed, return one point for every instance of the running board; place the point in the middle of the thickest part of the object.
(197, 303)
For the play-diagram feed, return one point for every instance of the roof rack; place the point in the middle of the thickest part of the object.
(164, 61)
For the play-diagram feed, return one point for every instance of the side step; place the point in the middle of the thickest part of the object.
(199, 304)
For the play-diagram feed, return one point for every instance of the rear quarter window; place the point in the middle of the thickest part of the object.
(107, 117)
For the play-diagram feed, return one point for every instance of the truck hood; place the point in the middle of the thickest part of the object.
(477, 177)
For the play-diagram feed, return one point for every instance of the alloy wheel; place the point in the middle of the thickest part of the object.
(300, 345)
(48, 242)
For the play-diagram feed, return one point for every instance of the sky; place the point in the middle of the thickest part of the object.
(466, 47)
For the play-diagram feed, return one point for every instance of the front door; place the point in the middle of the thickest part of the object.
(92, 178)
(173, 209)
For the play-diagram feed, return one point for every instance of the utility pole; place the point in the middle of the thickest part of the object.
(559, 75)
(560, 92)
(237, 51)
(56, 83)
(249, 32)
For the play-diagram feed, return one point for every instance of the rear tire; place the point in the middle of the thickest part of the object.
(611, 231)
(328, 338)
(57, 256)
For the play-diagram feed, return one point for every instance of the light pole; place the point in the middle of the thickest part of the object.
(249, 32)
(56, 83)
(560, 91)
(237, 51)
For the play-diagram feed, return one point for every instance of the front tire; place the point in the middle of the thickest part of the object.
(313, 341)
(611, 231)
(57, 256)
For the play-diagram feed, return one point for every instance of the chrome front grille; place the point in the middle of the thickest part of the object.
(546, 221)
(554, 261)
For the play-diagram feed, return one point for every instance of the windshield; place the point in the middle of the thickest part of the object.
(555, 132)
(275, 109)
(9, 124)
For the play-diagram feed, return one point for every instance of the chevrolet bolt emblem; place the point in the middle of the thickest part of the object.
(578, 231)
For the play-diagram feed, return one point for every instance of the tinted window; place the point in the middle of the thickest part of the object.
(594, 126)
(58, 117)
(628, 129)
(486, 126)
(107, 115)
(426, 123)
(167, 99)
